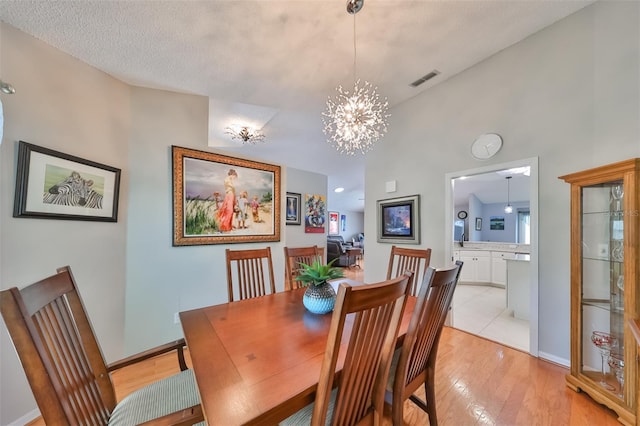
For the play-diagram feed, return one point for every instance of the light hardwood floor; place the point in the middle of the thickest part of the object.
(478, 382)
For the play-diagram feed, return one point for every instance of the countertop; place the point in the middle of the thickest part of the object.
(492, 246)
(521, 257)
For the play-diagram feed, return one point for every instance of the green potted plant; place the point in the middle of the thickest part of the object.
(319, 298)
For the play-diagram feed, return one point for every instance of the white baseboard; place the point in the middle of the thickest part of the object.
(29, 417)
(556, 360)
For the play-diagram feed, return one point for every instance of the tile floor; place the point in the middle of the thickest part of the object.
(481, 310)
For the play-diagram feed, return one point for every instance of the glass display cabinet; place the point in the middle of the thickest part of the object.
(605, 228)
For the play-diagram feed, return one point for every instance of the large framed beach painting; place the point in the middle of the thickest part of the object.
(219, 199)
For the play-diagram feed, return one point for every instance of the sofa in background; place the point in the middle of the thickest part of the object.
(336, 249)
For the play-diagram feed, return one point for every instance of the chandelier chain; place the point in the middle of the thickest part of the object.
(355, 52)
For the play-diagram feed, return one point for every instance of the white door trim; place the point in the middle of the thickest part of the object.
(449, 209)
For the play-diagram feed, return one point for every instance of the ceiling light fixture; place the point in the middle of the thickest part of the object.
(508, 208)
(6, 88)
(354, 121)
(245, 134)
(338, 189)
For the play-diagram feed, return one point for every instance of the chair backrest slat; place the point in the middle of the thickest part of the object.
(293, 256)
(56, 345)
(404, 259)
(377, 310)
(251, 271)
(420, 346)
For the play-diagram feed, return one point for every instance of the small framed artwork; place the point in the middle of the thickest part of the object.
(399, 220)
(478, 224)
(293, 208)
(334, 226)
(496, 223)
(54, 185)
(315, 210)
(343, 222)
(219, 199)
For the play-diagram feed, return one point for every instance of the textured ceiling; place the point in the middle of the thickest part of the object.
(273, 63)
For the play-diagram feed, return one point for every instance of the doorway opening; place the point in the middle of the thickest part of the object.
(516, 238)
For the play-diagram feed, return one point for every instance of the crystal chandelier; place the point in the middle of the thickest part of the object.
(245, 134)
(354, 121)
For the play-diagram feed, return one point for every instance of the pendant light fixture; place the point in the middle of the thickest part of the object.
(354, 121)
(508, 208)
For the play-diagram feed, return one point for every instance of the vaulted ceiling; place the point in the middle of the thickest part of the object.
(274, 63)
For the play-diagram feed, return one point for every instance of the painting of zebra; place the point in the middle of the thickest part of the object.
(73, 191)
(55, 185)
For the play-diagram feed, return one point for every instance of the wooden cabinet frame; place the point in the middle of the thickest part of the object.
(579, 379)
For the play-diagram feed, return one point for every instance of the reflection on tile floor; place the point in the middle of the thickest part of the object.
(481, 310)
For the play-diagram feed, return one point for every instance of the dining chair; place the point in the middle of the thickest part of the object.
(293, 256)
(252, 272)
(359, 395)
(66, 370)
(414, 363)
(405, 259)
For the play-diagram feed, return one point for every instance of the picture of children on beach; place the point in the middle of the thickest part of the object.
(226, 201)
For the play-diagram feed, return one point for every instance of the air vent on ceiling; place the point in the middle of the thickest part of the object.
(421, 80)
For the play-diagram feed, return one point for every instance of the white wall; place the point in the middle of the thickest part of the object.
(71, 107)
(303, 182)
(168, 279)
(568, 95)
(355, 225)
(68, 106)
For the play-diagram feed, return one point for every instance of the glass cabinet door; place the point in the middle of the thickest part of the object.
(602, 286)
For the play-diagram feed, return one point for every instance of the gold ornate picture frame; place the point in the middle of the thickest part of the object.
(219, 199)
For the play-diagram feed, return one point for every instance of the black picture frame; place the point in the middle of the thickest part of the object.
(54, 185)
(293, 213)
(399, 220)
(496, 223)
(478, 224)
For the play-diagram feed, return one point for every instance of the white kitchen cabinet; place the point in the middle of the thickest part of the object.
(499, 266)
(477, 265)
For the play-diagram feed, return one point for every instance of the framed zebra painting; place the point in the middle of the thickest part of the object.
(219, 199)
(54, 185)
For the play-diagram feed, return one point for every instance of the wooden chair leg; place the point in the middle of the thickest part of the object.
(181, 361)
(429, 406)
(430, 393)
(397, 411)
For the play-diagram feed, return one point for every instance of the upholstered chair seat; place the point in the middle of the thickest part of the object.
(158, 399)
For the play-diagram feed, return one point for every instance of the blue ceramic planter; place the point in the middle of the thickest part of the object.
(319, 299)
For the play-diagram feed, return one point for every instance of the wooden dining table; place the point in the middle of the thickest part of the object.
(257, 361)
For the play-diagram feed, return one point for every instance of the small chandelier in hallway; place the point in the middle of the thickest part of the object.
(245, 134)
